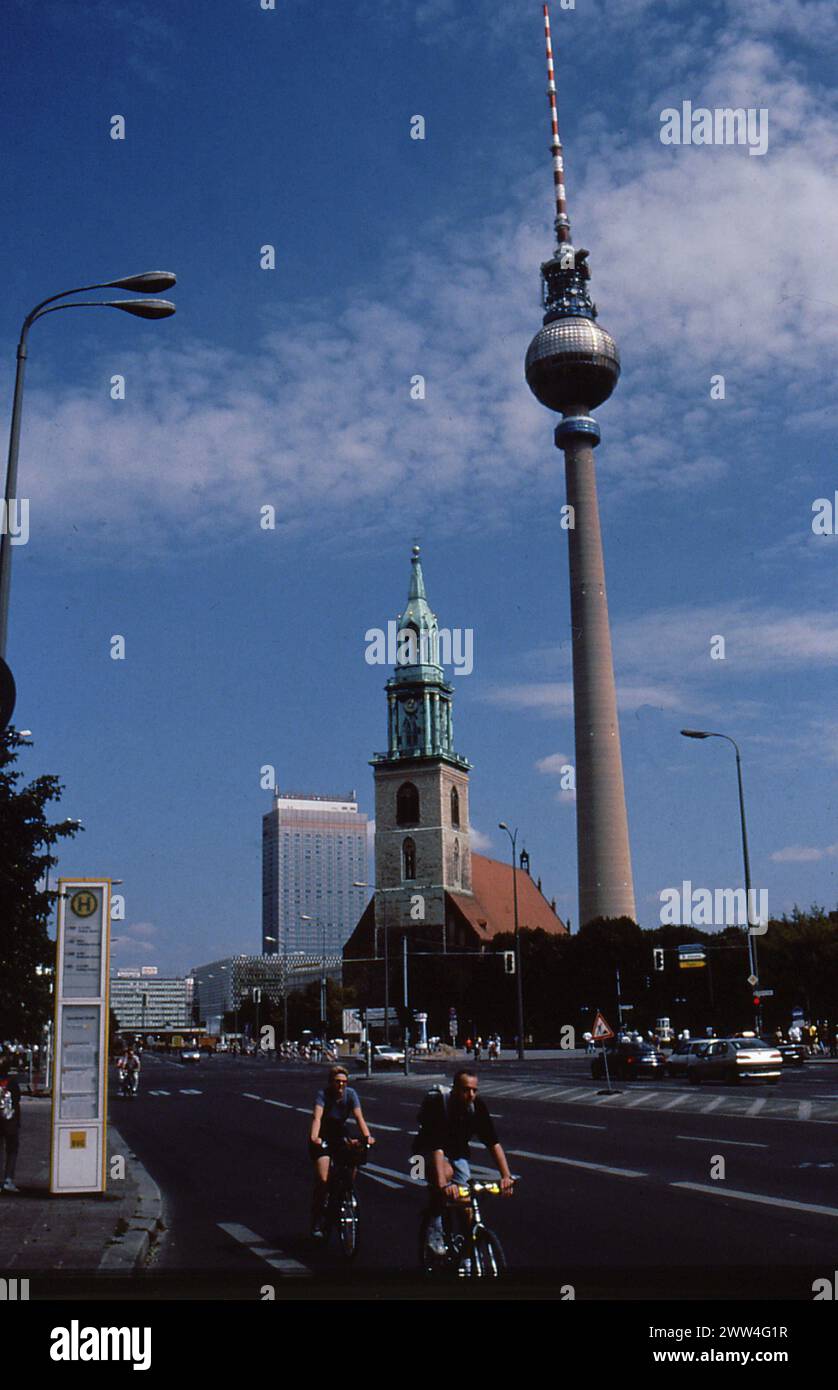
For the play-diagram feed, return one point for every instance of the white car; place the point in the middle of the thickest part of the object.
(389, 1056)
(736, 1059)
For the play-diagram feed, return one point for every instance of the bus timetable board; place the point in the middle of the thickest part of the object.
(79, 1094)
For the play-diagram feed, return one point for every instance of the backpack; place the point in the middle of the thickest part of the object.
(444, 1092)
(7, 1103)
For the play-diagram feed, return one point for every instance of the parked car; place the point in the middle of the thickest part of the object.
(793, 1054)
(190, 1054)
(736, 1059)
(627, 1060)
(387, 1056)
(682, 1059)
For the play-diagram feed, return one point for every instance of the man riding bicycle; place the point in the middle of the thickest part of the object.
(333, 1107)
(128, 1067)
(447, 1121)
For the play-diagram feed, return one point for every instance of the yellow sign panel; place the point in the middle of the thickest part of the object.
(78, 1139)
(84, 904)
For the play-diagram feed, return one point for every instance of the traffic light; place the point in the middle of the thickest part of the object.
(757, 1001)
(657, 956)
(509, 962)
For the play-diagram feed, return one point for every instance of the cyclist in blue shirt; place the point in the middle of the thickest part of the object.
(333, 1108)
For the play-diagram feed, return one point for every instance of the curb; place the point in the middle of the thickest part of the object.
(143, 1210)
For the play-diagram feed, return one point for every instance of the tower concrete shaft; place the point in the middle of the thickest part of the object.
(604, 858)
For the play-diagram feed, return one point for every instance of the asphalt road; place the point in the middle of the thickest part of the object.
(616, 1199)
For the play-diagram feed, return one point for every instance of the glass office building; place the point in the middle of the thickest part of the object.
(314, 848)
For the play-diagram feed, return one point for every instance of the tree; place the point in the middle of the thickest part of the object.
(26, 837)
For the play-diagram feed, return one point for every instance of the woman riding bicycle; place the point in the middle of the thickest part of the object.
(333, 1107)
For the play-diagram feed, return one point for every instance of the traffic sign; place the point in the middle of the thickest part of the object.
(764, 993)
(601, 1029)
(752, 980)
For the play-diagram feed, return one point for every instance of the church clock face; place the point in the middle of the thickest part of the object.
(410, 706)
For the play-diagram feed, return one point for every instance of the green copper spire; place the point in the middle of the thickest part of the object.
(417, 625)
(419, 699)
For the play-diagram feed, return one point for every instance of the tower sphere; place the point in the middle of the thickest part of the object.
(572, 363)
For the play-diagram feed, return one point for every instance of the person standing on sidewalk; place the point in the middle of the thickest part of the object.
(9, 1123)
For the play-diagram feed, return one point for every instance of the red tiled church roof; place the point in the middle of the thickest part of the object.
(491, 910)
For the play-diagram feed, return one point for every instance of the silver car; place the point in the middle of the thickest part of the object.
(736, 1059)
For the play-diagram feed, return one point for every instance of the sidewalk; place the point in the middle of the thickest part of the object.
(39, 1233)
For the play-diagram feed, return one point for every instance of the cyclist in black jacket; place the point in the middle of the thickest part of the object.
(447, 1122)
(9, 1123)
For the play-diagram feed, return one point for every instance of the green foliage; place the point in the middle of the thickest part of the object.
(26, 837)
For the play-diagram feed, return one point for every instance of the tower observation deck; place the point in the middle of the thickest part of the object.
(572, 366)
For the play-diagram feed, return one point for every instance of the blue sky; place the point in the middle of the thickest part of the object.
(291, 388)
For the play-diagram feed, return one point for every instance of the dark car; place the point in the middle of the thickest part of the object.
(627, 1060)
(793, 1054)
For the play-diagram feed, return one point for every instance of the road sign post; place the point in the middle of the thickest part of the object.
(78, 1150)
(601, 1032)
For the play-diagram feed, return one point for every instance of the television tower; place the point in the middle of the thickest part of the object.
(572, 366)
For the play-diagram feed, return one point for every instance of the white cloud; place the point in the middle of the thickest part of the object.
(556, 697)
(480, 842)
(802, 854)
(553, 764)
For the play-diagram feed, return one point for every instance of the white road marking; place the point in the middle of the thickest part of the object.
(733, 1143)
(676, 1100)
(303, 1109)
(714, 1105)
(804, 1110)
(394, 1129)
(574, 1124)
(371, 1168)
(186, 1092)
(249, 1096)
(757, 1105)
(277, 1259)
(757, 1197)
(158, 1093)
(283, 1104)
(638, 1100)
(384, 1181)
(578, 1163)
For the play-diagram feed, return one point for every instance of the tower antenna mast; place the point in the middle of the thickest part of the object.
(562, 222)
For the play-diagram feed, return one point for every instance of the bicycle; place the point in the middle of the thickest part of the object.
(342, 1211)
(475, 1253)
(129, 1084)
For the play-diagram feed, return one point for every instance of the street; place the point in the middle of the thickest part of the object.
(661, 1190)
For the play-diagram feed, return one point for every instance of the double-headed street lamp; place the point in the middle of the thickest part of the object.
(752, 946)
(150, 282)
(520, 988)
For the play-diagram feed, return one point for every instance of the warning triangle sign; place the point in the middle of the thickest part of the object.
(601, 1030)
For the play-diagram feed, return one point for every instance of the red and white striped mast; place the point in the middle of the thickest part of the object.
(562, 221)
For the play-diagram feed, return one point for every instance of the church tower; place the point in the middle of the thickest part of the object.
(422, 839)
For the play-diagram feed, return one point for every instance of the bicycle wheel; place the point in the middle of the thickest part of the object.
(349, 1223)
(487, 1259)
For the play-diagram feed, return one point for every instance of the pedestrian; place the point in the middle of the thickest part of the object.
(9, 1123)
(468, 1046)
(478, 1048)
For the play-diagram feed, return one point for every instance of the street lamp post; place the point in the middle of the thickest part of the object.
(519, 986)
(752, 945)
(386, 967)
(151, 282)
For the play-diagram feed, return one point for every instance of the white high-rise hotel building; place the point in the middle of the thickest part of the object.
(314, 848)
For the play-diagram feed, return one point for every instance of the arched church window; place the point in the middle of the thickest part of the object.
(457, 864)
(407, 805)
(455, 806)
(408, 859)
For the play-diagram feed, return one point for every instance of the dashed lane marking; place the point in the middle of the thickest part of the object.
(186, 1091)
(283, 1104)
(804, 1110)
(158, 1093)
(394, 1129)
(579, 1163)
(575, 1124)
(277, 1259)
(385, 1182)
(729, 1143)
(248, 1095)
(759, 1198)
